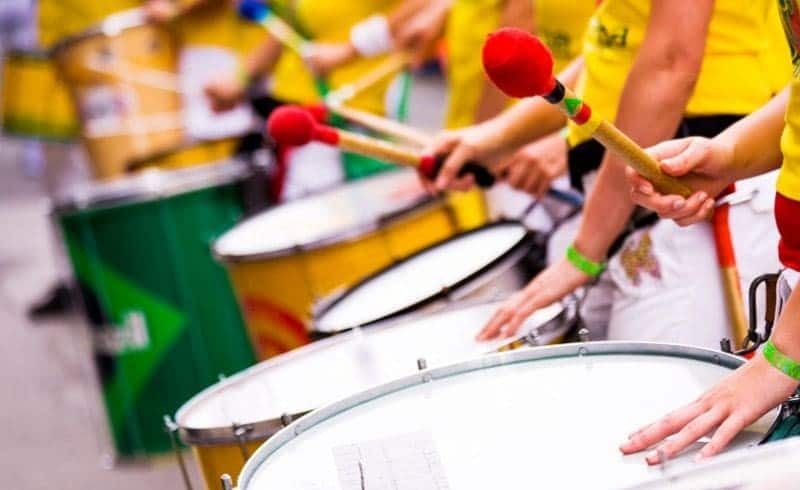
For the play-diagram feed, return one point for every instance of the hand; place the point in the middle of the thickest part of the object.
(160, 11)
(736, 402)
(225, 92)
(325, 57)
(706, 163)
(474, 143)
(551, 285)
(534, 167)
(419, 33)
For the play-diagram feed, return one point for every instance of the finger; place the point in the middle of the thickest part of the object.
(463, 183)
(665, 206)
(657, 432)
(521, 314)
(639, 183)
(516, 175)
(499, 318)
(452, 165)
(723, 435)
(542, 186)
(693, 431)
(533, 178)
(683, 163)
(668, 149)
(703, 213)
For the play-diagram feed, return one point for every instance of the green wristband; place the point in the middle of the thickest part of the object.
(583, 263)
(781, 361)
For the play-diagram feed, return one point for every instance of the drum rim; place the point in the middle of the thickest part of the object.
(150, 185)
(352, 233)
(110, 26)
(452, 293)
(581, 349)
(770, 449)
(262, 429)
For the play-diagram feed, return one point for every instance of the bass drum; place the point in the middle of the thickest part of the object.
(164, 319)
(228, 421)
(283, 259)
(550, 417)
(481, 264)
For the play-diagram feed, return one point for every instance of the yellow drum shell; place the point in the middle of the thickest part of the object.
(276, 293)
(34, 102)
(125, 88)
(188, 155)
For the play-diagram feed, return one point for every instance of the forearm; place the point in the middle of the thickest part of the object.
(263, 59)
(787, 331)
(531, 118)
(609, 206)
(755, 140)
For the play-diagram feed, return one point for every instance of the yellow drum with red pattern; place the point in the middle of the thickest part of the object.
(283, 260)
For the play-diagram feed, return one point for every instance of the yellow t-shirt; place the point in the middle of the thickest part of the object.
(61, 18)
(218, 24)
(330, 21)
(560, 23)
(731, 80)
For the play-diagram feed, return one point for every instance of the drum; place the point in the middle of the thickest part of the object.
(164, 319)
(484, 263)
(769, 467)
(34, 103)
(188, 155)
(122, 76)
(228, 421)
(550, 417)
(285, 258)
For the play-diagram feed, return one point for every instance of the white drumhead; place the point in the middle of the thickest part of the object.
(343, 211)
(421, 277)
(337, 367)
(774, 466)
(508, 421)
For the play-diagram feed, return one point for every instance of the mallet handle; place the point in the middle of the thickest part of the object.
(391, 65)
(383, 125)
(615, 140)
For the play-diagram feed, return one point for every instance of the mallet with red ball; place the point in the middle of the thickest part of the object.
(522, 66)
(295, 126)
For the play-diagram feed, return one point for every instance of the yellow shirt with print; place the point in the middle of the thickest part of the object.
(731, 80)
(218, 24)
(560, 23)
(330, 21)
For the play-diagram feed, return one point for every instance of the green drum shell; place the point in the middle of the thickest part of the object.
(164, 319)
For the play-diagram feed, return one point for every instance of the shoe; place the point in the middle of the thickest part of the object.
(57, 301)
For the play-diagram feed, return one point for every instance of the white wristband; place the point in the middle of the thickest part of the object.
(372, 37)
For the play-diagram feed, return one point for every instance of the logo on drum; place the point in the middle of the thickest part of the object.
(131, 336)
(104, 110)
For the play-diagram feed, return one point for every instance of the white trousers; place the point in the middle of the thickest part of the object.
(664, 285)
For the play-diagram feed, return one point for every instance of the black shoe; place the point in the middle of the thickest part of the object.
(57, 301)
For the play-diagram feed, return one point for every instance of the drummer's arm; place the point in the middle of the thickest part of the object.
(531, 118)
(262, 59)
(652, 104)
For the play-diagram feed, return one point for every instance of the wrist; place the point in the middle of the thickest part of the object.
(781, 361)
(583, 263)
(372, 37)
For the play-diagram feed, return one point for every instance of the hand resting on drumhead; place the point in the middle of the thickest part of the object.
(739, 400)
(553, 284)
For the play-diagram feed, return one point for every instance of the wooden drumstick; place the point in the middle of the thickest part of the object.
(294, 126)
(522, 66)
(391, 65)
(388, 127)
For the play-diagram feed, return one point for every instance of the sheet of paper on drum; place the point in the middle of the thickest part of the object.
(404, 461)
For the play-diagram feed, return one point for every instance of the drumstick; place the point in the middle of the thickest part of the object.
(522, 66)
(380, 124)
(294, 126)
(260, 13)
(391, 65)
